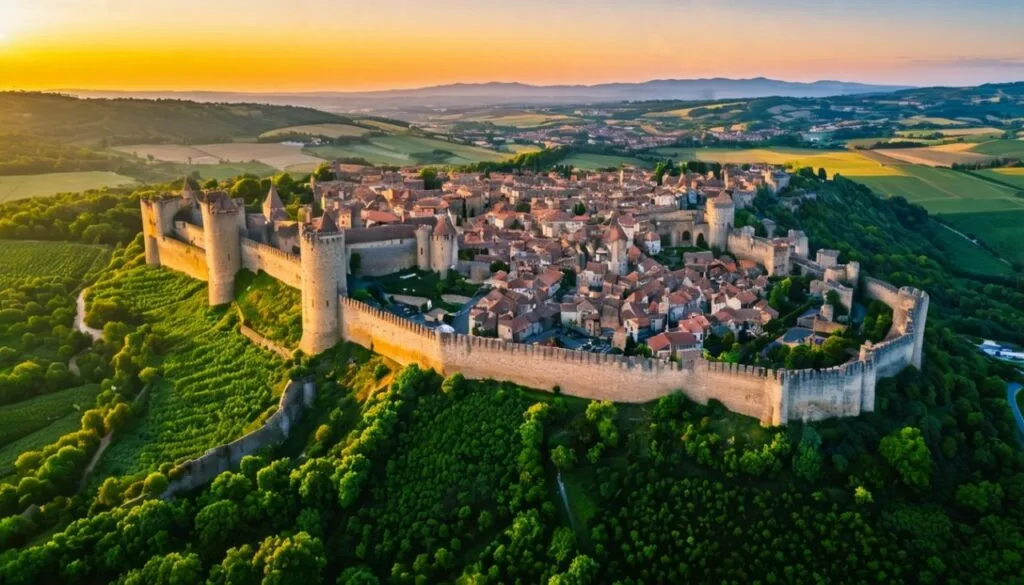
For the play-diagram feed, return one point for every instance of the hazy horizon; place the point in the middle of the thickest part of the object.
(320, 45)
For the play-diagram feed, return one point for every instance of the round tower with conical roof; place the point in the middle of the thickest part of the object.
(720, 213)
(223, 245)
(322, 255)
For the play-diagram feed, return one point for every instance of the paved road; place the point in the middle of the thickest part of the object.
(1011, 395)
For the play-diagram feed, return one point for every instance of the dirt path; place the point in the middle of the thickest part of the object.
(80, 325)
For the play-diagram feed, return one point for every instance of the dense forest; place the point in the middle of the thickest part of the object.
(398, 475)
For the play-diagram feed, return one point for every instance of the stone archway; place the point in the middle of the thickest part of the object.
(701, 242)
(687, 239)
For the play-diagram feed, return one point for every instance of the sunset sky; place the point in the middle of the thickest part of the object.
(309, 45)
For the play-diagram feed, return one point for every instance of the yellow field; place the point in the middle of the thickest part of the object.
(915, 120)
(523, 148)
(951, 132)
(846, 163)
(328, 130)
(524, 120)
(935, 156)
(383, 126)
(279, 156)
(685, 112)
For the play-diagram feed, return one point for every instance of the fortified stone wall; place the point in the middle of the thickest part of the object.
(890, 295)
(747, 390)
(190, 233)
(760, 250)
(389, 335)
(380, 258)
(845, 390)
(281, 265)
(182, 257)
(195, 473)
(893, 355)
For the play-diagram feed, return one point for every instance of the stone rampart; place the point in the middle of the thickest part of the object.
(385, 257)
(389, 335)
(182, 257)
(190, 233)
(845, 390)
(195, 473)
(281, 265)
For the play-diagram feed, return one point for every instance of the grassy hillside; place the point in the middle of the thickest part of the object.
(26, 186)
(102, 122)
(408, 150)
(215, 383)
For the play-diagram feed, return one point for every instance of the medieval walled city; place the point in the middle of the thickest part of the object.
(615, 286)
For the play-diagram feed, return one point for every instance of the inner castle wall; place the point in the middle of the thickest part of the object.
(383, 257)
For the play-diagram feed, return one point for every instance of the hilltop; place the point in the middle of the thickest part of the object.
(108, 122)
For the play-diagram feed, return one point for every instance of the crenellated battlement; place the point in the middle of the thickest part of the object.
(269, 250)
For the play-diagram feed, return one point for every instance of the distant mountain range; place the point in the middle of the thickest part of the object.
(498, 93)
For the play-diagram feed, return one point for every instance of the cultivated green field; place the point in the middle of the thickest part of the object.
(990, 212)
(24, 418)
(222, 171)
(25, 186)
(9, 453)
(971, 256)
(408, 150)
(215, 383)
(28, 260)
(1002, 148)
(328, 130)
(1012, 176)
(590, 162)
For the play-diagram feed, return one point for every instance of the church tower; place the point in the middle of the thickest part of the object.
(322, 260)
(618, 247)
(223, 245)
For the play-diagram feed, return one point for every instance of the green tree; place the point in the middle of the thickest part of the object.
(563, 457)
(906, 451)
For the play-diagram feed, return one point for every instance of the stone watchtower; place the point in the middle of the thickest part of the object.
(720, 213)
(223, 244)
(437, 249)
(423, 234)
(444, 246)
(322, 259)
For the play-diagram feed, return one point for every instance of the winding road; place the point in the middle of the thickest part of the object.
(1011, 395)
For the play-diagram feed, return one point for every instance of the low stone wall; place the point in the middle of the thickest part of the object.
(265, 343)
(195, 473)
